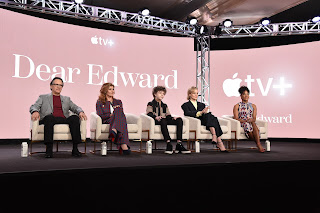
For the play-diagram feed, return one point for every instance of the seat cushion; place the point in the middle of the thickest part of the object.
(132, 128)
(262, 130)
(58, 128)
(171, 128)
(203, 130)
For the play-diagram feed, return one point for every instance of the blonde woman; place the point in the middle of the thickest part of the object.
(196, 109)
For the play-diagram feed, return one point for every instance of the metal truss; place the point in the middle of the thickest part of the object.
(100, 14)
(203, 69)
(279, 29)
(135, 20)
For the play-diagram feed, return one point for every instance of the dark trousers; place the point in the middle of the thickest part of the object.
(49, 121)
(164, 122)
(210, 120)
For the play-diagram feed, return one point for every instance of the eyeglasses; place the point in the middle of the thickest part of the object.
(60, 85)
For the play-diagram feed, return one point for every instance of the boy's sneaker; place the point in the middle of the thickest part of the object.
(180, 149)
(169, 149)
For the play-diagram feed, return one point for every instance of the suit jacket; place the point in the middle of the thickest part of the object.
(104, 110)
(155, 109)
(190, 110)
(44, 105)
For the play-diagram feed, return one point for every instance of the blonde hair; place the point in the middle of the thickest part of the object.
(103, 91)
(190, 90)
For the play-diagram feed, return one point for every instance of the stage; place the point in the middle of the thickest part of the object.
(11, 162)
(285, 179)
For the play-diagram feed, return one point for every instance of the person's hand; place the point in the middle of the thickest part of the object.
(205, 110)
(175, 118)
(82, 116)
(158, 118)
(250, 120)
(35, 116)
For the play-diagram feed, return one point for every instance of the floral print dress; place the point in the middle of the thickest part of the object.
(245, 113)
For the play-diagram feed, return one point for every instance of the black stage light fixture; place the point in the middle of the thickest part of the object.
(202, 29)
(217, 30)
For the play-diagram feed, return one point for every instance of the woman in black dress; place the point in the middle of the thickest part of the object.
(196, 109)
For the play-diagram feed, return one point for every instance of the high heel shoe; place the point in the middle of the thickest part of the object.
(225, 151)
(112, 136)
(125, 152)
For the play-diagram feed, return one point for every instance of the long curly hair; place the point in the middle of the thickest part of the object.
(103, 91)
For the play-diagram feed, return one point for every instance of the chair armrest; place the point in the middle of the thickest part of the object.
(83, 129)
(262, 123)
(225, 122)
(235, 124)
(194, 123)
(34, 125)
(148, 123)
(131, 118)
(186, 124)
(95, 125)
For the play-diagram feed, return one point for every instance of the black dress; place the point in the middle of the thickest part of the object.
(207, 119)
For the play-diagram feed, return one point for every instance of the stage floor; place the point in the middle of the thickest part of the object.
(283, 180)
(12, 162)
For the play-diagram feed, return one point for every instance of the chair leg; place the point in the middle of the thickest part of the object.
(140, 146)
(94, 146)
(85, 147)
(57, 145)
(30, 151)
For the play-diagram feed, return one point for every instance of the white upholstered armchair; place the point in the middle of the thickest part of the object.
(100, 132)
(238, 132)
(151, 131)
(199, 132)
(61, 132)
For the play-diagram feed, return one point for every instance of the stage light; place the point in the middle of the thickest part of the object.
(227, 23)
(202, 29)
(193, 21)
(145, 12)
(265, 21)
(316, 19)
(79, 1)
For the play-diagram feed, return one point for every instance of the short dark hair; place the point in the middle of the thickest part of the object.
(55, 78)
(242, 89)
(157, 89)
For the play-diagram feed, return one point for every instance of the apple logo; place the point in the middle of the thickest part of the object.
(94, 40)
(231, 86)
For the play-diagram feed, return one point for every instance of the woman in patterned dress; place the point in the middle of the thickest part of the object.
(246, 113)
(111, 112)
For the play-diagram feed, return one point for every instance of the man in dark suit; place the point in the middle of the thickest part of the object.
(52, 109)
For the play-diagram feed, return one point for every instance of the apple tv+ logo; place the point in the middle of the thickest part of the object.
(101, 41)
(231, 86)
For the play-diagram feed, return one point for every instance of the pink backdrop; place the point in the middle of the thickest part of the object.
(289, 115)
(34, 50)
